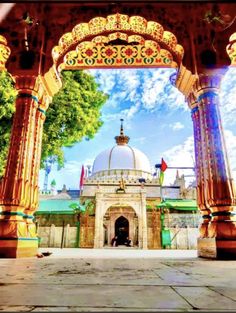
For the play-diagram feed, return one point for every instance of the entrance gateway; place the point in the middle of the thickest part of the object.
(109, 41)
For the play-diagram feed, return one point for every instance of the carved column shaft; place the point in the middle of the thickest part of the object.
(219, 187)
(217, 174)
(215, 186)
(199, 165)
(19, 170)
(19, 186)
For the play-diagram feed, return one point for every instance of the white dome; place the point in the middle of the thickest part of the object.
(121, 157)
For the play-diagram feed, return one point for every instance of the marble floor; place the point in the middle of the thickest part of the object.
(117, 280)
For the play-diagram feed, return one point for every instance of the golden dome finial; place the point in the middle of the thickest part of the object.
(122, 139)
(121, 127)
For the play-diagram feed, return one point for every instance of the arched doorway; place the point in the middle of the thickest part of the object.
(122, 220)
(121, 229)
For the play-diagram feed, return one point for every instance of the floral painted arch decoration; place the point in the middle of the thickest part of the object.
(231, 49)
(4, 52)
(117, 41)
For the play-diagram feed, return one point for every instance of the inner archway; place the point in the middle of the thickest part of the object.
(122, 220)
(121, 230)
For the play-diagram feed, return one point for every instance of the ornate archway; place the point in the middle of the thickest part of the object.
(117, 40)
(109, 207)
(122, 221)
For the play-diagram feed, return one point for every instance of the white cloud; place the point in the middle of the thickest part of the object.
(150, 88)
(129, 113)
(105, 79)
(140, 140)
(227, 97)
(176, 126)
(230, 140)
(129, 79)
(153, 89)
(72, 167)
(180, 156)
(109, 117)
(68, 175)
(158, 91)
(183, 156)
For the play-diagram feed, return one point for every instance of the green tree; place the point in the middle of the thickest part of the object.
(74, 114)
(7, 108)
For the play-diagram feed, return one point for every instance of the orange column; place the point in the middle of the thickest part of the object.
(218, 192)
(19, 187)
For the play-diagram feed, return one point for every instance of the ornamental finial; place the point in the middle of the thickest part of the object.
(121, 127)
(122, 139)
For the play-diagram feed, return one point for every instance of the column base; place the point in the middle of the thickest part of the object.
(18, 247)
(214, 248)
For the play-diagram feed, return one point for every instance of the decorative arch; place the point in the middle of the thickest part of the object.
(4, 52)
(117, 41)
(131, 203)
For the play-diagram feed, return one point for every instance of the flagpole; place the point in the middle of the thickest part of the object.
(162, 167)
(161, 192)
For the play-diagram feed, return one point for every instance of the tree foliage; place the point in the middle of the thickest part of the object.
(7, 108)
(73, 114)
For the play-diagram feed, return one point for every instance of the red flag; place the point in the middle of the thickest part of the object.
(163, 165)
(81, 178)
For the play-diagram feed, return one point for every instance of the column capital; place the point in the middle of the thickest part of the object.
(34, 86)
(185, 81)
(209, 80)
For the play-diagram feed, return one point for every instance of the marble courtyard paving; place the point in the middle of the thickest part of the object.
(119, 280)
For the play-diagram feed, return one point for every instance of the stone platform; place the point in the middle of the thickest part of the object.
(117, 280)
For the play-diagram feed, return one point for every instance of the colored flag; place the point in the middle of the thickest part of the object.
(81, 178)
(163, 165)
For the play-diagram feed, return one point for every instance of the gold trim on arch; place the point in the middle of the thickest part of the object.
(134, 30)
(5, 52)
(231, 49)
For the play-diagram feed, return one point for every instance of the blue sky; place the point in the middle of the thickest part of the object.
(156, 118)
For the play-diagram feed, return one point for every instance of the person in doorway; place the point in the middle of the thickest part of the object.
(128, 242)
(114, 242)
